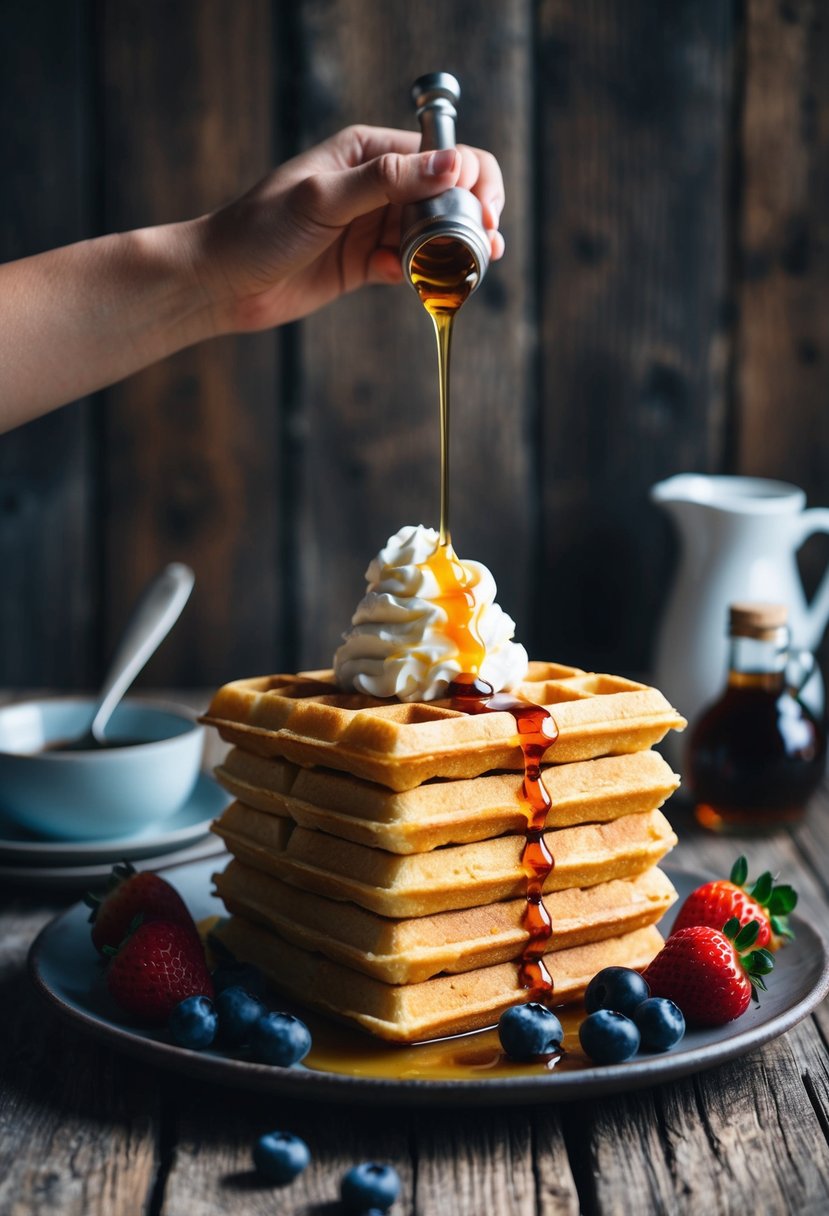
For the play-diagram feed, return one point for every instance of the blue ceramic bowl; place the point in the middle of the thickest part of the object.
(103, 794)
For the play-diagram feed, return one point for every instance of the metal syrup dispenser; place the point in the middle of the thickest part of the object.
(456, 214)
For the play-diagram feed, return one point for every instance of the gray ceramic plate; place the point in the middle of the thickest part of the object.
(66, 970)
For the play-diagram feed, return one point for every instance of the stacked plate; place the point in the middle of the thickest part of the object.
(186, 836)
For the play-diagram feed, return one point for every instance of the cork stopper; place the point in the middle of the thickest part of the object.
(758, 620)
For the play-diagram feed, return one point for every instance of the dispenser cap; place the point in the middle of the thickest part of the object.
(757, 620)
(433, 87)
(456, 213)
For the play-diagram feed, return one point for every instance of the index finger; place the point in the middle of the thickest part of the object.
(481, 173)
(355, 145)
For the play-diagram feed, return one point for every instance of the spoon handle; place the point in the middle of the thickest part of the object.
(153, 617)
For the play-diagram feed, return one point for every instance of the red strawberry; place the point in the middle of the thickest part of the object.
(716, 902)
(711, 975)
(128, 896)
(158, 965)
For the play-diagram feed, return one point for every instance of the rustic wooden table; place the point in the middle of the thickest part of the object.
(85, 1130)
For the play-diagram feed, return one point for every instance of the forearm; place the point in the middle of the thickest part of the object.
(77, 319)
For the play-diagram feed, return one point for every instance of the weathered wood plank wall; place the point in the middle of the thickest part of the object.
(659, 309)
(191, 446)
(48, 557)
(369, 382)
(634, 162)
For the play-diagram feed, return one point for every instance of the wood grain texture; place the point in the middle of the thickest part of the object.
(47, 556)
(483, 1160)
(782, 339)
(369, 406)
(812, 844)
(76, 1122)
(783, 332)
(556, 1190)
(633, 160)
(212, 1171)
(652, 1152)
(191, 445)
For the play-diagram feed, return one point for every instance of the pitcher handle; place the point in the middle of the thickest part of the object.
(815, 520)
(799, 670)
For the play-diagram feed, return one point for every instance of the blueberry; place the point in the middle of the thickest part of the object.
(608, 1037)
(660, 1022)
(239, 975)
(280, 1156)
(618, 988)
(238, 1010)
(280, 1038)
(529, 1032)
(369, 1186)
(193, 1023)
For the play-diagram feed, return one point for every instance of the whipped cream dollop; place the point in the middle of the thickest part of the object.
(426, 617)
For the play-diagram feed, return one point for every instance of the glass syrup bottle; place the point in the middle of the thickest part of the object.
(757, 754)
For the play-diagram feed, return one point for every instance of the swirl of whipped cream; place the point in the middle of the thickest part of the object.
(405, 644)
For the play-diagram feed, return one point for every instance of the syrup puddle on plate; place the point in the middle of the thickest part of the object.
(348, 1051)
(466, 1057)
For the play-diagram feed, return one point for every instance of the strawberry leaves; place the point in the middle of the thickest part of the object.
(758, 963)
(739, 872)
(776, 901)
(762, 888)
(781, 902)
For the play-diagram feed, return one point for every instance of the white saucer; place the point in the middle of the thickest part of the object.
(190, 823)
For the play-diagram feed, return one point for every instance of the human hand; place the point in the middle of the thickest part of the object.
(327, 222)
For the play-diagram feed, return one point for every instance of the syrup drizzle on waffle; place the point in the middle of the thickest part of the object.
(536, 731)
(457, 598)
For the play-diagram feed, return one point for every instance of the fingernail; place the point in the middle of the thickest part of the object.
(441, 162)
(494, 206)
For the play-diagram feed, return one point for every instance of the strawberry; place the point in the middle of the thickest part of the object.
(158, 965)
(716, 902)
(128, 896)
(711, 974)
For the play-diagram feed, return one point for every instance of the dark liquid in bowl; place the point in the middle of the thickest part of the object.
(81, 745)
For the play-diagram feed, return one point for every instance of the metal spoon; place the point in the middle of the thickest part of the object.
(156, 611)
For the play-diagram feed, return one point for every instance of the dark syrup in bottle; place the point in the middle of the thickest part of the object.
(758, 753)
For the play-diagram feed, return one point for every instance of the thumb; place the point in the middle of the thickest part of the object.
(336, 198)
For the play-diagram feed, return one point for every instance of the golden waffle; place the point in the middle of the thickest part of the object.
(458, 876)
(448, 1004)
(306, 718)
(272, 833)
(413, 950)
(444, 812)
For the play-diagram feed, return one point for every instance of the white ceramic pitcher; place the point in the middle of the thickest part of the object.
(740, 537)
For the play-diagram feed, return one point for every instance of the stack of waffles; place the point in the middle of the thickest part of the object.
(376, 871)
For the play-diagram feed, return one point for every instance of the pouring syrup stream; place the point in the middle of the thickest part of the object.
(444, 274)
